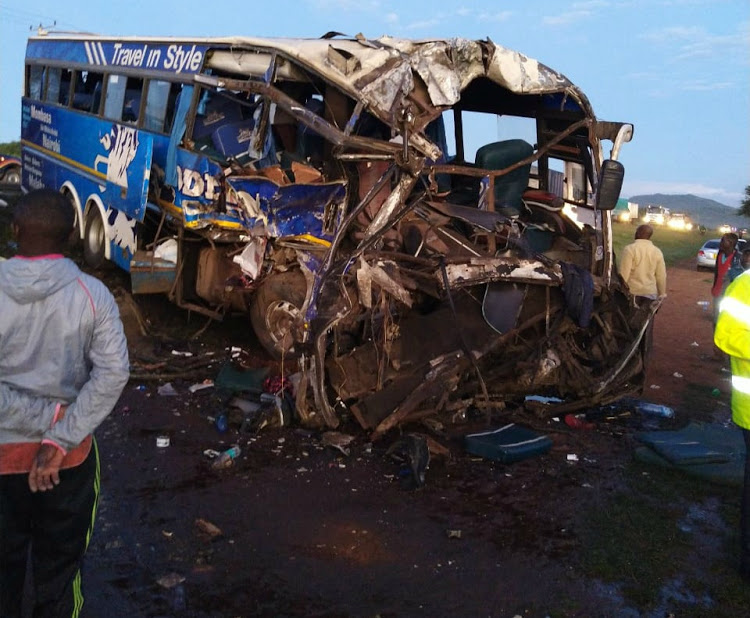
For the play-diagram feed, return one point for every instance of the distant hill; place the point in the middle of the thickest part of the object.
(701, 210)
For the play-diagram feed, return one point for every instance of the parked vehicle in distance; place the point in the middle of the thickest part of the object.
(10, 169)
(625, 211)
(656, 214)
(726, 228)
(680, 221)
(622, 217)
(706, 257)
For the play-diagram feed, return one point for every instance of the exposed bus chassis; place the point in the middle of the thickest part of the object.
(398, 338)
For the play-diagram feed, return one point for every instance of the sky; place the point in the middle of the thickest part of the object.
(679, 70)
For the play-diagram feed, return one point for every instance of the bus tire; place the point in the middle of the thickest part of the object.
(94, 238)
(276, 312)
(75, 239)
(13, 176)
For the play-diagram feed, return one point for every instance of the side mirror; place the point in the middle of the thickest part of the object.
(610, 184)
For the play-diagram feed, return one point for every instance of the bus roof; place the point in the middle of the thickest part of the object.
(380, 71)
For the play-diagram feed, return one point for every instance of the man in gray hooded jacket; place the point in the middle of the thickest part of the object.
(63, 365)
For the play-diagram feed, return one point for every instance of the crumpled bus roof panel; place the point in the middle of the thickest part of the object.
(382, 71)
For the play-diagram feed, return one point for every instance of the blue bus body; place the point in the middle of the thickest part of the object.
(58, 151)
(107, 165)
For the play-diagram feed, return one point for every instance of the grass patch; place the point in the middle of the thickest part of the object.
(676, 245)
(633, 539)
(625, 543)
(11, 148)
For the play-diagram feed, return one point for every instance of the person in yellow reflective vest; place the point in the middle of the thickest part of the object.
(732, 335)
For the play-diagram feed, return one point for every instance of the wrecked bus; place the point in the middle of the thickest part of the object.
(328, 189)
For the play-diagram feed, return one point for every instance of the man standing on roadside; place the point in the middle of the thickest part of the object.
(63, 365)
(728, 266)
(732, 335)
(642, 266)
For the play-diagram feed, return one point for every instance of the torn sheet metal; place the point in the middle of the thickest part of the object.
(368, 275)
(499, 269)
(283, 210)
(384, 77)
(522, 74)
(251, 258)
(447, 70)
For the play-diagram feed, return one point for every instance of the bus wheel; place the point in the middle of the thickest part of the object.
(276, 312)
(13, 176)
(75, 240)
(94, 238)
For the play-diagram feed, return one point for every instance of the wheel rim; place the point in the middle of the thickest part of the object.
(13, 177)
(281, 318)
(95, 236)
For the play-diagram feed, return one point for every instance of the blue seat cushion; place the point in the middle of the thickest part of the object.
(233, 139)
(219, 111)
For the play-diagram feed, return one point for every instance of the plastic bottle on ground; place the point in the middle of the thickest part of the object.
(655, 409)
(221, 423)
(226, 459)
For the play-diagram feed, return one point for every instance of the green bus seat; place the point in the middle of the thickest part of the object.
(510, 187)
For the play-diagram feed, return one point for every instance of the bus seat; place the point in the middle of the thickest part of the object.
(310, 147)
(82, 100)
(233, 139)
(96, 98)
(132, 105)
(88, 101)
(510, 187)
(219, 111)
(309, 143)
(64, 90)
(543, 199)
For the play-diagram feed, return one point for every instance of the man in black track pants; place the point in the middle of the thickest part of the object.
(63, 365)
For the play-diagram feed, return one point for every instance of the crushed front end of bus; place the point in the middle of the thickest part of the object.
(409, 277)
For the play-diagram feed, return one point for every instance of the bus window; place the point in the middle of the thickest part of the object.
(115, 97)
(87, 91)
(160, 105)
(53, 86)
(58, 86)
(35, 82)
(174, 99)
(123, 98)
(133, 91)
(65, 78)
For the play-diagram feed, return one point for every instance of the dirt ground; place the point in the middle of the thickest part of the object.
(308, 531)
